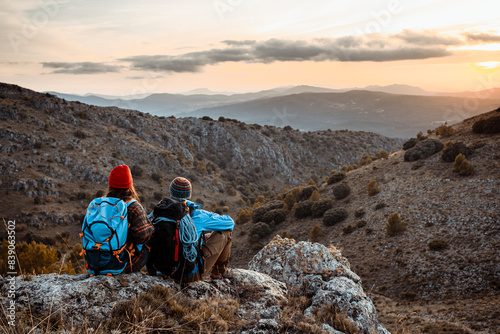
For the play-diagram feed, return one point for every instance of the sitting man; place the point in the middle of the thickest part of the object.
(214, 251)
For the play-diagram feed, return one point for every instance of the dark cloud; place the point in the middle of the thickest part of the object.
(404, 53)
(80, 68)
(482, 37)
(347, 48)
(188, 62)
(427, 38)
(238, 43)
(281, 50)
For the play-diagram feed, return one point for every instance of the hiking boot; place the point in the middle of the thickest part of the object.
(227, 274)
(215, 277)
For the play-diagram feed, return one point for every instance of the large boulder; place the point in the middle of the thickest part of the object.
(323, 273)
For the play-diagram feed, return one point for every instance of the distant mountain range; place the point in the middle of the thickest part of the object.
(394, 110)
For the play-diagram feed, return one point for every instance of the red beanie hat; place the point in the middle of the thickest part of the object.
(120, 177)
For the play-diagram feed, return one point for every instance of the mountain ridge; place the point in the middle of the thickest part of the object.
(335, 109)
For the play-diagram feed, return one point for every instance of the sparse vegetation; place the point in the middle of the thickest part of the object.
(359, 213)
(259, 212)
(320, 207)
(307, 192)
(382, 154)
(315, 196)
(303, 209)
(452, 150)
(348, 229)
(335, 177)
(420, 136)
(341, 191)
(34, 258)
(462, 166)
(163, 309)
(136, 171)
(243, 216)
(490, 125)
(373, 188)
(276, 216)
(315, 233)
(334, 216)
(258, 232)
(444, 131)
(395, 225)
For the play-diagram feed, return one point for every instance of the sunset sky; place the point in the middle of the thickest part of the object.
(125, 47)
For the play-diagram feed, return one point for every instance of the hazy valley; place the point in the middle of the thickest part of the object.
(394, 111)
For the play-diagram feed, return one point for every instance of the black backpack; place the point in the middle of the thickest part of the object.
(167, 249)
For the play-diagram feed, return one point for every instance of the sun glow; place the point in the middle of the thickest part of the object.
(487, 65)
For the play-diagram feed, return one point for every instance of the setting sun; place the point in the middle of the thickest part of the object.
(487, 65)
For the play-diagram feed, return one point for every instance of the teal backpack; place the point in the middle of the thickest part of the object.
(104, 236)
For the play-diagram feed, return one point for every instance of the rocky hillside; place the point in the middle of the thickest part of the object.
(292, 288)
(438, 257)
(57, 155)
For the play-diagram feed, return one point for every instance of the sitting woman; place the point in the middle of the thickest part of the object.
(104, 229)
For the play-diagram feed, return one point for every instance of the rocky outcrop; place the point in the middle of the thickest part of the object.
(320, 272)
(283, 270)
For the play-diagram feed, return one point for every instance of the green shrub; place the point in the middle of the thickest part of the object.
(277, 216)
(395, 225)
(320, 207)
(335, 177)
(373, 188)
(306, 193)
(258, 213)
(334, 216)
(258, 232)
(315, 233)
(341, 191)
(303, 209)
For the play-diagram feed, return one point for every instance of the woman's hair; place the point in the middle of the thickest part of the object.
(123, 194)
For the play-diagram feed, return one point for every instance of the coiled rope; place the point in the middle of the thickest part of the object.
(189, 238)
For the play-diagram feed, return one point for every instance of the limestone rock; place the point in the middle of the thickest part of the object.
(322, 273)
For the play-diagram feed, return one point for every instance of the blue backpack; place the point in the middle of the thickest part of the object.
(104, 236)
